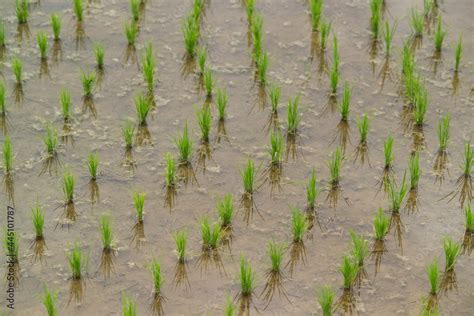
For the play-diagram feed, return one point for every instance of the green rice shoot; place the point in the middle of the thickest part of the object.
(433, 277)
(51, 140)
(275, 252)
(316, 7)
(93, 165)
(211, 235)
(248, 177)
(326, 297)
(458, 54)
(312, 192)
(142, 107)
(49, 302)
(299, 225)
(76, 260)
(170, 171)
(139, 203)
(415, 173)
(349, 269)
(38, 220)
(443, 132)
(452, 250)
(78, 9)
(17, 68)
(157, 276)
(417, 23)
(181, 239)
(56, 26)
(65, 100)
(360, 248)
(128, 130)
(381, 224)
(131, 32)
(221, 104)
(274, 94)
(7, 156)
(69, 182)
(204, 118)
(439, 35)
(185, 146)
(363, 126)
(293, 117)
(346, 102)
(247, 278)
(106, 232)
(42, 41)
(225, 210)
(276, 148)
(335, 164)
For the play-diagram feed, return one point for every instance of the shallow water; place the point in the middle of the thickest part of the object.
(401, 283)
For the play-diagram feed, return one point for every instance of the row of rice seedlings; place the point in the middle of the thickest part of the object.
(326, 297)
(22, 11)
(274, 274)
(417, 23)
(293, 116)
(7, 156)
(129, 306)
(381, 225)
(158, 280)
(375, 18)
(388, 33)
(142, 107)
(439, 35)
(458, 55)
(334, 71)
(56, 26)
(360, 251)
(49, 302)
(42, 40)
(316, 8)
(78, 8)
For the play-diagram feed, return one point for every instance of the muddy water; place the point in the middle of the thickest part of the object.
(400, 285)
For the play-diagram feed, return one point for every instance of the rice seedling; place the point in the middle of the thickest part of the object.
(139, 202)
(229, 309)
(408, 60)
(157, 276)
(185, 146)
(129, 306)
(197, 9)
(375, 18)
(65, 100)
(170, 171)
(421, 106)
(417, 23)
(293, 117)
(93, 165)
(248, 177)
(99, 53)
(142, 107)
(464, 181)
(128, 131)
(56, 26)
(249, 9)
(22, 11)
(49, 302)
(210, 235)
(363, 126)
(51, 140)
(190, 31)
(262, 66)
(334, 72)
(42, 41)
(396, 195)
(452, 250)
(202, 58)
(225, 210)
(388, 33)
(257, 35)
(209, 82)
(17, 68)
(3, 36)
(316, 7)
(135, 9)
(274, 93)
(221, 104)
(312, 192)
(106, 232)
(443, 132)
(469, 218)
(346, 101)
(415, 173)
(335, 167)
(68, 186)
(38, 221)
(380, 225)
(276, 148)
(274, 274)
(388, 159)
(87, 80)
(458, 54)
(76, 260)
(204, 118)
(299, 225)
(325, 29)
(247, 277)
(78, 7)
(326, 300)
(131, 32)
(7, 156)
(348, 269)
(360, 249)
(439, 35)
(3, 105)
(181, 239)
(433, 277)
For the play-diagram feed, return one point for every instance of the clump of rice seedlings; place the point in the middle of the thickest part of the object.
(408, 61)
(381, 224)
(442, 154)
(139, 202)
(299, 227)
(335, 164)
(77, 264)
(209, 82)
(108, 252)
(181, 239)
(257, 36)
(262, 66)
(464, 181)
(345, 104)
(388, 33)
(247, 285)
(275, 150)
(326, 300)
(190, 31)
(129, 306)
(78, 9)
(293, 117)
(68, 186)
(360, 251)
(387, 173)
(56, 26)
(468, 238)
(65, 100)
(274, 95)
(274, 274)
(142, 107)
(417, 23)
(17, 68)
(99, 53)
(375, 18)
(42, 41)
(434, 279)
(210, 235)
(225, 210)
(93, 165)
(229, 309)
(204, 118)
(396, 196)
(87, 80)
(135, 9)
(221, 104)
(452, 250)
(334, 72)
(202, 58)
(181, 274)
(49, 302)
(51, 140)
(248, 175)
(439, 35)
(316, 7)
(7, 156)
(415, 174)
(362, 149)
(421, 106)
(458, 55)
(158, 280)
(138, 228)
(131, 32)
(148, 62)
(185, 155)
(325, 29)
(38, 221)
(128, 130)
(22, 11)
(349, 269)
(170, 180)
(312, 193)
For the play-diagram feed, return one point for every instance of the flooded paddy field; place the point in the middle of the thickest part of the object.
(406, 94)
